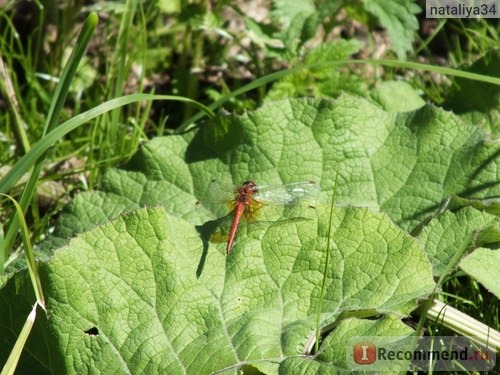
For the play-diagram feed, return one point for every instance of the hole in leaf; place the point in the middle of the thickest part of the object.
(92, 331)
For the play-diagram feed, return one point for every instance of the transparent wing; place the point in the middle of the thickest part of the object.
(289, 194)
(217, 197)
(220, 192)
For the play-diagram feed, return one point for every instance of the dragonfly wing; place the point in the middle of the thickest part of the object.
(288, 194)
(217, 198)
(220, 192)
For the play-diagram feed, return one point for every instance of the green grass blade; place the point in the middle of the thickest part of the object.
(118, 66)
(10, 366)
(327, 265)
(29, 253)
(2, 258)
(10, 95)
(69, 71)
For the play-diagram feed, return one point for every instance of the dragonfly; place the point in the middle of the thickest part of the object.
(248, 198)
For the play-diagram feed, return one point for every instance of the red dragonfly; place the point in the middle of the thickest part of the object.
(249, 197)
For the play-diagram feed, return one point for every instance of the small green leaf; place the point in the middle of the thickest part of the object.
(483, 265)
(169, 6)
(322, 80)
(477, 96)
(398, 17)
(336, 346)
(455, 231)
(397, 96)
(490, 206)
(479, 102)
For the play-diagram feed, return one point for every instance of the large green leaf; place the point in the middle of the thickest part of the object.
(128, 296)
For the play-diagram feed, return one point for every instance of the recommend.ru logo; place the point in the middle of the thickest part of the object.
(438, 353)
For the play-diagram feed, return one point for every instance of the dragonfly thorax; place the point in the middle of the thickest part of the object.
(245, 192)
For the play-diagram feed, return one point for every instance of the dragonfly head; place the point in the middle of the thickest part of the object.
(250, 185)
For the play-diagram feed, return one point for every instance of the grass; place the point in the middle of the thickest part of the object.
(193, 52)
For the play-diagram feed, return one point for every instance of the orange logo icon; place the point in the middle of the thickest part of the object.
(364, 353)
